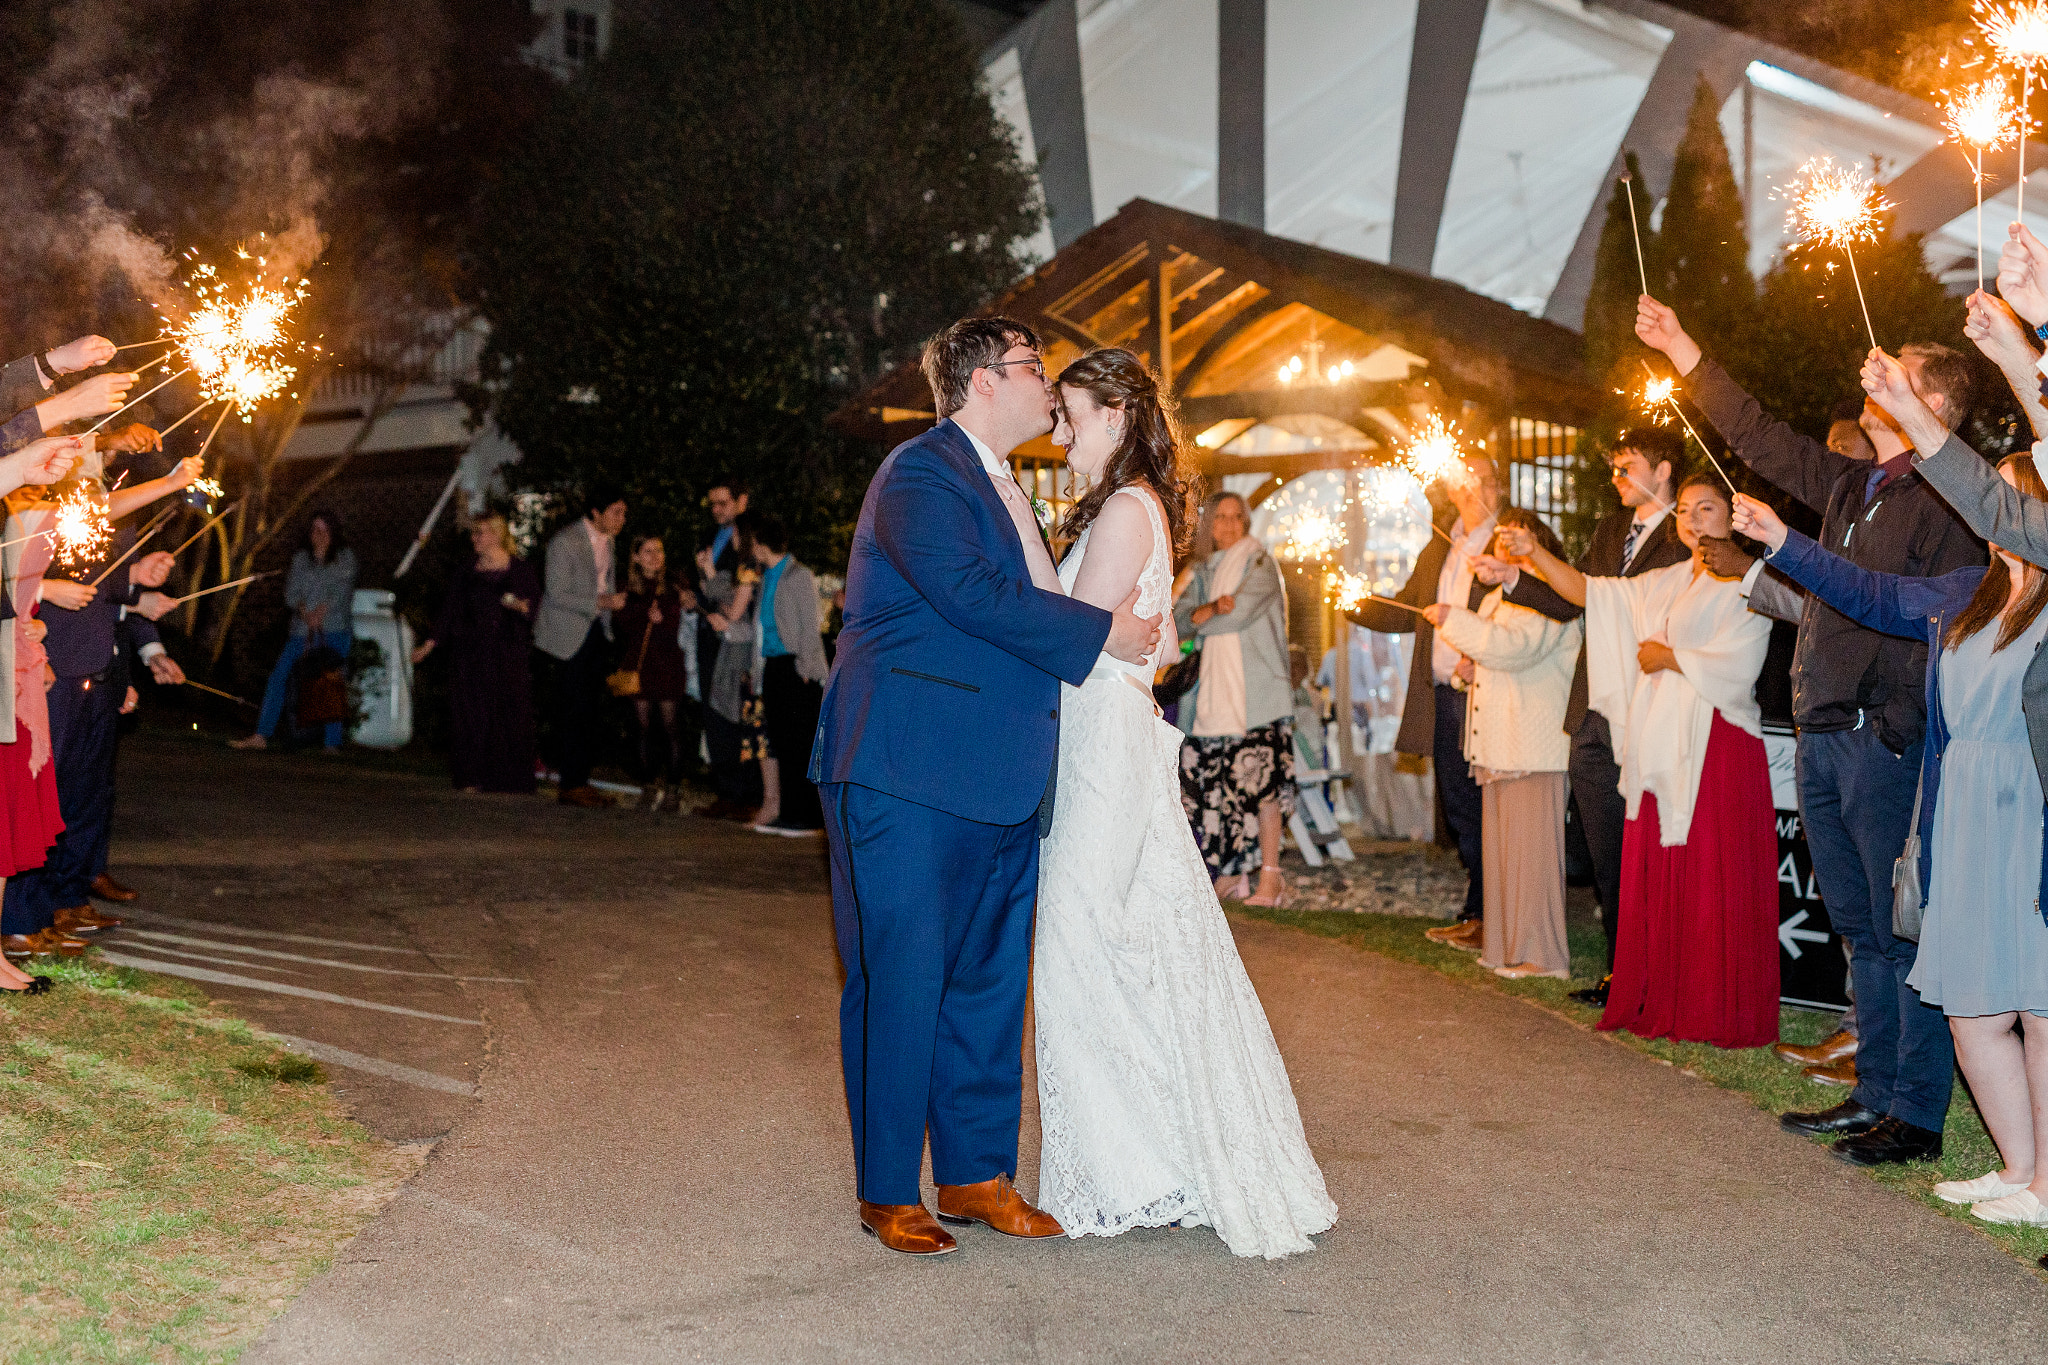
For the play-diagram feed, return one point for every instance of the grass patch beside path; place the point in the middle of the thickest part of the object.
(1770, 1084)
(170, 1180)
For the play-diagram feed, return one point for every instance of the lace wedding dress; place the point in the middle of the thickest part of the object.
(1162, 1095)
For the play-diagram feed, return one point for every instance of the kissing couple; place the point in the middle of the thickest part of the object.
(984, 704)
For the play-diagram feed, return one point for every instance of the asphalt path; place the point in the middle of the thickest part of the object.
(622, 1031)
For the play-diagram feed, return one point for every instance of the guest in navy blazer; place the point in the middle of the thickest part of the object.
(934, 754)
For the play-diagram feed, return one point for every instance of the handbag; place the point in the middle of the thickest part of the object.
(625, 682)
(1180, 678)
(1906, 894)
(323, 688)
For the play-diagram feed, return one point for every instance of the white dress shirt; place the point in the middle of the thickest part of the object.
(1454, 587)
(1043, 575)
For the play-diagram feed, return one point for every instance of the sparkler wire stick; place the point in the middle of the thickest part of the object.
(153, 341)
(154, 526)
(1850, 252)
(2026, 82)
(182, 420)
(1642, 271)
(204, 529)
(218, 693)
(23, 540)
(203, 445)
(221, 587)
(132, 402)
(1375, 597)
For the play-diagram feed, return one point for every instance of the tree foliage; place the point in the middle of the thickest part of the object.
(728, 225)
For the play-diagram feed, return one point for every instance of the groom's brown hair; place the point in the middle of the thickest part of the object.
(952, 357)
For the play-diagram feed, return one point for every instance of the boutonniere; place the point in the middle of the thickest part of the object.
(1042, 509)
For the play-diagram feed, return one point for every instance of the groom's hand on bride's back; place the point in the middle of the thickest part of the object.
(1131, 637)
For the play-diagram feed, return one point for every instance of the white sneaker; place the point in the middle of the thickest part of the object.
(2022, 1210)
(1986, 1186)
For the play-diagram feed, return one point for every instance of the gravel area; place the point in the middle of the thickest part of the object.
(1420, 881)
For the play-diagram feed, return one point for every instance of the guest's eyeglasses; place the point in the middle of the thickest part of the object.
(1031, 363)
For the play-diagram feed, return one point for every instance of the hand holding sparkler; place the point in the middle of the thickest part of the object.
(81, 353)
(1657, 327)
(1516, 546)
(1887, 381)
(63, 593)
(2023, 274)
(1997, 331)
(153, 569)
(40, 462)
(1436, 613)
(1491, 571)
(103, 393)
(132, 439)
(1755, 519)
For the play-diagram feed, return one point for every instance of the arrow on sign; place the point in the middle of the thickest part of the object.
(1789, 930)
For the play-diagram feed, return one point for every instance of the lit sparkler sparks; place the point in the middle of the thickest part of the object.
(209, 486)
(1435, 453)
(1982, 117)
(81, 529)
(1838, 206)
(1312, 534)
(2017, 34)
(236, 339)
(1348, 590)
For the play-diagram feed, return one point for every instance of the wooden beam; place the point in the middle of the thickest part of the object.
(1345, 402)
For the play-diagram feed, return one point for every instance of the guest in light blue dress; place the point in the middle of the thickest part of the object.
(1983, 955)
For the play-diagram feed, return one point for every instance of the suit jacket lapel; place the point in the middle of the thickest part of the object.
(960, 453)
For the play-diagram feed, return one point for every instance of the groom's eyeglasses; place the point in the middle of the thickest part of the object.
(1032, 363)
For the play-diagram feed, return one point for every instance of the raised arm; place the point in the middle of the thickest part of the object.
(925, 527)
(1887, 602)
(2003, 339)
(1511, 641)
(1418, 591)
(1520, 546)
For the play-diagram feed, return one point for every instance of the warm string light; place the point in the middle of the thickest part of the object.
(2017, 35)
(1837, 206)
(1981, 117)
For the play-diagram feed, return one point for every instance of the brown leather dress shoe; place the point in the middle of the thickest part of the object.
(43, 943)
(20, 946)
(1444, 933)
(83, 919)
(997, 1204)
(1841, 1073)
(907, 1228)
(1470, 938)
(107, 889)
(588, 797)
(1838, 1046)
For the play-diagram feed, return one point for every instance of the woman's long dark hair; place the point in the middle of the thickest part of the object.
(1151, 451)
(1536, 525)
(1989, 599)
(337, 541)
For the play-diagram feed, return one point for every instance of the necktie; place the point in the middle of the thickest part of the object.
(1629, 542)
(1043, 575)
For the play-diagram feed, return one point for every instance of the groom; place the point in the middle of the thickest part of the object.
(934, 758)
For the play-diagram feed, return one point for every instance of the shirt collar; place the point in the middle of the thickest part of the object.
(1473, 541)
(1895, 466)
(997, 468)
(1658, 511)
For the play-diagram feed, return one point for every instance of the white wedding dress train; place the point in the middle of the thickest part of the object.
(1162, 1094)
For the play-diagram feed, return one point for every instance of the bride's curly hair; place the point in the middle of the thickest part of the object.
(1151, 451)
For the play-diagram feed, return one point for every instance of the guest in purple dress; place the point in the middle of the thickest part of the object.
(486, 626)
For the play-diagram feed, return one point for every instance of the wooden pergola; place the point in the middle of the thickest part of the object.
(1284, 357)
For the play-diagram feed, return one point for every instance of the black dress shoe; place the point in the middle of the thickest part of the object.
(1595, 996)
(1847, 1119)
(1893, 1140)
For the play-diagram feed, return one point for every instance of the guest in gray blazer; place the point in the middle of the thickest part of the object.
(789, 677)
(573, 629)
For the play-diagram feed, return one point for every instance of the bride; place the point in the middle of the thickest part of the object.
(1162, 1094)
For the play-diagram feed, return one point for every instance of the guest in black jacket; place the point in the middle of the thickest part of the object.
(1858, 699)
(1646, 464)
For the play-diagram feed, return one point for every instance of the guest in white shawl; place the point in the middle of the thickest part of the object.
(1519, 750)
(1237, 764)
(1672, 659)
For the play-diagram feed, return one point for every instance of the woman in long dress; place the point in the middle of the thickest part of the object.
(486, 626)
(1162, 1094)
(1672, 658)
(1983, 943)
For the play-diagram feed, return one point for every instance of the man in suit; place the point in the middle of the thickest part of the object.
(574, 628)
(1646, 465)
(956, 633)
(1857, 698)
(1433, 717)
(736, 783)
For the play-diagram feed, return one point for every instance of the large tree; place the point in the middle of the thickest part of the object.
(746, 211)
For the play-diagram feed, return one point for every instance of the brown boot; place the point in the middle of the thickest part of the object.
(907, 1228)
(1838, 1046)
(1841, 1073)
(78, 920)
(107, 889)
(996, 1204)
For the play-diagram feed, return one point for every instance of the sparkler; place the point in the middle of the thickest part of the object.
(222, 587)
(1661, 389)
(133, 401)
(1838, 206)
(218, 693)
(186, 418)
(154, 526)
(1982, 118)
(1628, 189)
(1312, 534)
(1435, 453)
(2018, 34)
(235, 339)
(81, 527)
(210, 521)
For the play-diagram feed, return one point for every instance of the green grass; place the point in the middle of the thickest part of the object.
(170, 1178)
(1770, 1083)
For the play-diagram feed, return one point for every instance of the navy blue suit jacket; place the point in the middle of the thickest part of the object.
(81, 643)
(945, 690)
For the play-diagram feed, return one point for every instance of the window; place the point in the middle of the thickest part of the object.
(1540, 469)
(579, 36)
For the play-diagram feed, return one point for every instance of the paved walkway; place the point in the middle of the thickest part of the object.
(625, 1027)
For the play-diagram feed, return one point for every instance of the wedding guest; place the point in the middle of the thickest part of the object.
(1433, 716)
(1983, 955)
(734, 780)
(320, 590)
(1517, 667)
(789, 677)
(732, 699)
(1237, 763)
(486, 628)
(1645, 465)
(1857, 699)
(646, 628)
(574, 629)
(1672, 658)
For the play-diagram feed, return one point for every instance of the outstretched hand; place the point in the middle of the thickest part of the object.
(2023, 274)
(1657, 327)
(1886, 380)
(81, 353)
(1756, 520)
(1131, 637)
(1998, 332)
(1492, 571)
(1516, 544)
(1436, 613)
